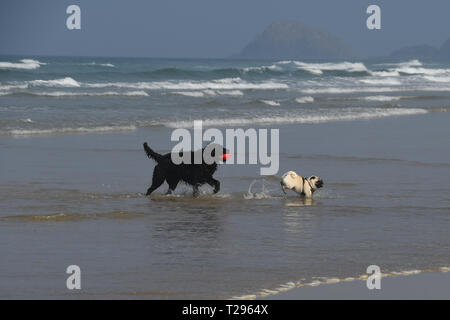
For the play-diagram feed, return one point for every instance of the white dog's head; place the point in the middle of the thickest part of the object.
(315, 182)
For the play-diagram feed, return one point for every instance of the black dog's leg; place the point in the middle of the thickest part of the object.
(214, 183)
(157, 180)
(172, 185)
(196, 192)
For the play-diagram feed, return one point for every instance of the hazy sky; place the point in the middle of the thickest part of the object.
(208, 28)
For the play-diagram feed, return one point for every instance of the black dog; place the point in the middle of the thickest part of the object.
(190, 173)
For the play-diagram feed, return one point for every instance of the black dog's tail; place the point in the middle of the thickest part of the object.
(152, 154)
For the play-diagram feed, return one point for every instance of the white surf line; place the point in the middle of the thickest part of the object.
(25, 64)
(328, 280)
(369, 113)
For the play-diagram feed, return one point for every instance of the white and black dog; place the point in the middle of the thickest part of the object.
(303, 186)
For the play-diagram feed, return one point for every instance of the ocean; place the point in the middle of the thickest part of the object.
(74, 174)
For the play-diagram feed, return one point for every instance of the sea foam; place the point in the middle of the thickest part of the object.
(63, 82)
(343, 115)
(109, 65)
(319, 68)
(271, 103)
(383, 81)
(307, 99)
(24, 64)
(314, 68)
(91, 94)
(382, 98)
(220, 84)
(209, 93)
(100, 129)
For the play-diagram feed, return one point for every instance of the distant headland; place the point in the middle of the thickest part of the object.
(287, 39)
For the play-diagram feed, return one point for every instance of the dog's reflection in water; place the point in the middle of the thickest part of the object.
(299, 202)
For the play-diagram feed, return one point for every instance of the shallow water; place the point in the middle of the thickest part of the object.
(73, 174)
(78, 199)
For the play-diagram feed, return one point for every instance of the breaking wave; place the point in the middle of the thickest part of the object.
(313, 68)
(382, 98)
(220, 84)
(12, 87)
(443, 79)
(319, 68)
(24, 64)
(109, 65)
(350, 90)
(323, 116)
(343, 115)
(383, 81)
(271, 103)
(304, 100)
(64, 82)
(60, 94)
(36, 132)
(209, 93)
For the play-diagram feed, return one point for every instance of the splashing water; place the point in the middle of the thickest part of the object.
(263, 194)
